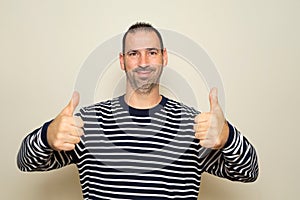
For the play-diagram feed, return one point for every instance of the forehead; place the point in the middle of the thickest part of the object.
(141, 39)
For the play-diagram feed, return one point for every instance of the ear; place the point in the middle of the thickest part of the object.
(165, 57)
(122, 61)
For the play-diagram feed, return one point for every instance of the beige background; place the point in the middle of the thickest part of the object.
(255, 45)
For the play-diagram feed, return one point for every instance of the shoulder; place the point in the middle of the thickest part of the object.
(176, 106)
(105, 106)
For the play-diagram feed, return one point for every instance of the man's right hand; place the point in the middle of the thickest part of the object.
(65, 130)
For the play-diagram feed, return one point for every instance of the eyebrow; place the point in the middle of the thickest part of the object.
(149, 49)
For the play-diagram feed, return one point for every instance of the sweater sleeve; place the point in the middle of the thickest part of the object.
(35, 153)
(237, 161)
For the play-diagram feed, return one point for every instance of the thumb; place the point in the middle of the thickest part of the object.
(70, 108)
(213, 99)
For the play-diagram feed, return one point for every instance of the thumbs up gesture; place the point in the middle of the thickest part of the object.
(211, 127)
(65, 130)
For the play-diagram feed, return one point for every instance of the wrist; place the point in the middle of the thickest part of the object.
(44, 134)
(224, 135)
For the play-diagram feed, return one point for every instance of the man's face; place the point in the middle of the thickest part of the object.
(143, 60)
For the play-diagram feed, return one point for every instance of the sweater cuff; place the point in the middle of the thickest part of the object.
(44, 134)
(230, 136)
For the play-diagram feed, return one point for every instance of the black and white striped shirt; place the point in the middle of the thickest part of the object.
(129, 153)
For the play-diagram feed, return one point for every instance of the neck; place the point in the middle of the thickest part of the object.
(143, 100)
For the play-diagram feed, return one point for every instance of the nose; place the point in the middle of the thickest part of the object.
(143, 59)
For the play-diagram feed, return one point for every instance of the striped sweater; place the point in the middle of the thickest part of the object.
(128, 153)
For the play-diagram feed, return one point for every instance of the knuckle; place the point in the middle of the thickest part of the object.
(78, 121)
(59, 136)
(64, 119)
(80, 132)
(57, 144)
(202, 143)
(72, 146)
(77, 140)
(195, 127)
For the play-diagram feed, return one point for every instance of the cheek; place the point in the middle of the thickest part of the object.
(130, 65)
(160, 60)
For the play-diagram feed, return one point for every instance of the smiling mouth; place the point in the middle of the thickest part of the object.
(144, 74)
(144, 71)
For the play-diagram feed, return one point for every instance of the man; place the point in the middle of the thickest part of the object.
(141, 145)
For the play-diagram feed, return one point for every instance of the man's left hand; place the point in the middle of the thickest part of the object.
(211, 127)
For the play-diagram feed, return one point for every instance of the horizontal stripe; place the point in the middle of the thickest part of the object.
(127, 153)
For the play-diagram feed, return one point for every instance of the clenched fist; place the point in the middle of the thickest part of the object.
(211, 127)
(65, 130)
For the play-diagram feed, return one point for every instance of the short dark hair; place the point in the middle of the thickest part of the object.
(141, 26)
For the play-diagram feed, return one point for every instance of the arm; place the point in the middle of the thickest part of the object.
(52, 145)
(236, 161)
(231, 156)
(35, 153)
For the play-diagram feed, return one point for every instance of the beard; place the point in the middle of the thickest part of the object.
(144, 84)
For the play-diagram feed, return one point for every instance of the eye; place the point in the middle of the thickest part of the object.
(153, 52)
(132, 53)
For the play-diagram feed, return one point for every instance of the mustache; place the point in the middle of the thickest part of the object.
(147, 68)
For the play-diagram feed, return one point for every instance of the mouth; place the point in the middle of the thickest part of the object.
(144, 72)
